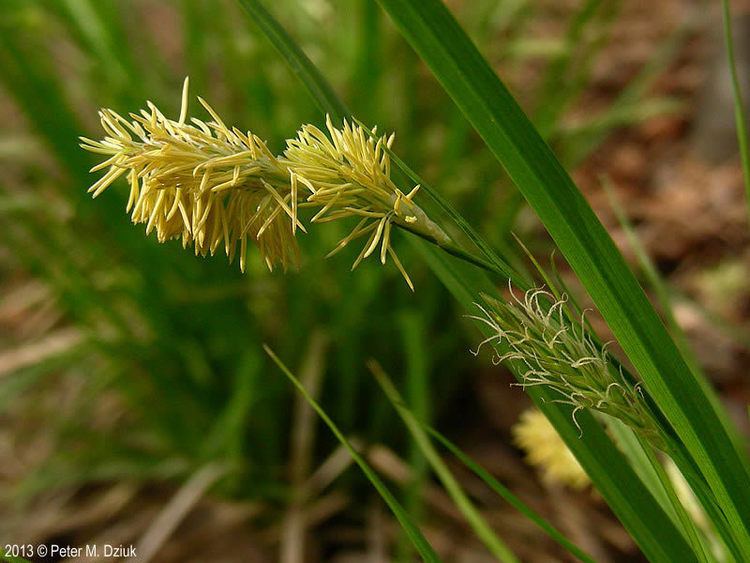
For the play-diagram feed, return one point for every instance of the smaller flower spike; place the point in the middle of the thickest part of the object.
(202, 182)
(553, 352)
(348, 174)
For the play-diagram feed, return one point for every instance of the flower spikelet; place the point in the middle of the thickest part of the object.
(214, 186)
(546, 449)
(348, 173)
(200, 181)
(535, 333)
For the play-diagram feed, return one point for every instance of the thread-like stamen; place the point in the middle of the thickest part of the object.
(568, 363)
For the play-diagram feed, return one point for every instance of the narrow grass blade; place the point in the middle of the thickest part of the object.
(366, 75)
(413, 332)
(420, 435)
(497, 117)
(740, 115)
(663, 295)
(654, 477)
(298, 62)
(686, 523)
(510, 498)
(484, 532)
(420, 543)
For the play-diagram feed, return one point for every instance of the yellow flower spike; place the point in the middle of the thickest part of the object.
(199, 181)
(348, 174)
(214, 186)
(546, 450)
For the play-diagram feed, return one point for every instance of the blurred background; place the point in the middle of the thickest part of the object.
(136, 403)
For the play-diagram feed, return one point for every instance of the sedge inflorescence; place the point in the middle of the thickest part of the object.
(535, 333)
(214, 187)
(546, 450)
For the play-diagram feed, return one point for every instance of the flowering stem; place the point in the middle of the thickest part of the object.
(467, 257)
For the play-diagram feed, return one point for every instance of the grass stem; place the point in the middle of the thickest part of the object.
(740, 116)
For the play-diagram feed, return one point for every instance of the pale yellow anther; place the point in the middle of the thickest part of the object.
(185, 100)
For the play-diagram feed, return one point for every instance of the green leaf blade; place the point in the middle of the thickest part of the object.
(489, 106)
(412, 531)
(297, 61)
(614, 478)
